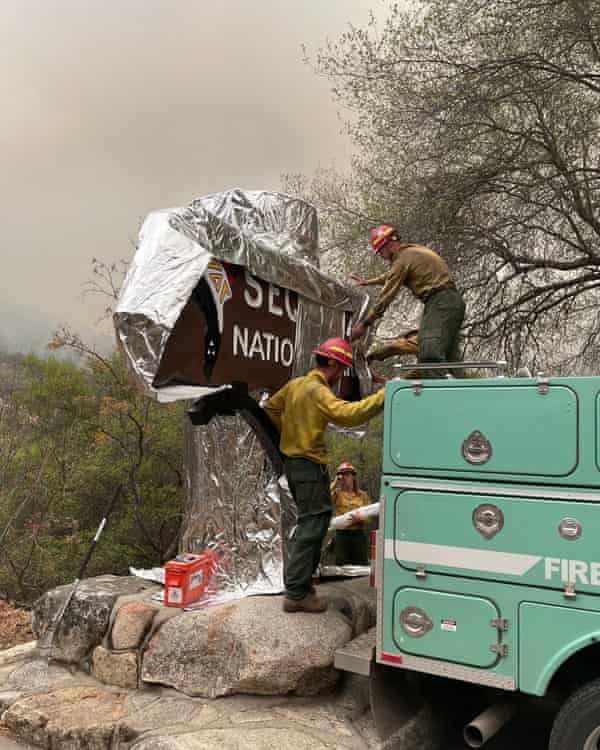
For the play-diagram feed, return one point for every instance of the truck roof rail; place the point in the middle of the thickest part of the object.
(484, 364)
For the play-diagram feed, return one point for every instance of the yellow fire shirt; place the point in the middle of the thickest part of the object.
(347, 501)
(303, 408)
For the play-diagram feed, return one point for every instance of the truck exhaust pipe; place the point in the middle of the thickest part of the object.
(488, 723)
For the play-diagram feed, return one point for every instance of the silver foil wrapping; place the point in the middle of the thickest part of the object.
(236, 502)
(274, 236)
(238, 505)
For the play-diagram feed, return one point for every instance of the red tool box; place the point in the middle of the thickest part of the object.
(186, 577)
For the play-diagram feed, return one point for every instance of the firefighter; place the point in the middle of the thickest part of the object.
(427, 276)
(301, 411)
(351, 542)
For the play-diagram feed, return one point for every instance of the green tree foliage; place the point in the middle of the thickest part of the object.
(476, 126)
(69, 435)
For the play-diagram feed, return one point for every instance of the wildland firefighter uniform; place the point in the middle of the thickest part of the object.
(427, 276)
(350, 542)
(301, 411)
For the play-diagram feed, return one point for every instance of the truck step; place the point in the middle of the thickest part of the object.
(357, 655)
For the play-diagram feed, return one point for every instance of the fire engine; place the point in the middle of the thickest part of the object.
(487, 559)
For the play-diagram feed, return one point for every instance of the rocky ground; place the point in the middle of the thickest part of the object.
(53, 706)
(168, 680)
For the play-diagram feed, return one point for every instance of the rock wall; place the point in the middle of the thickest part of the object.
(114, 629)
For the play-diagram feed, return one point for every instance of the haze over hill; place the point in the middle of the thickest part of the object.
(117, 109)
(28, 331)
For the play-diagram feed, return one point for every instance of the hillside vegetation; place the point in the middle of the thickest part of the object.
(70, 434)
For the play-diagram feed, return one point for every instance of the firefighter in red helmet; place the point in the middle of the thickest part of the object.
(426, 274)
(301, 411)
(351, 546)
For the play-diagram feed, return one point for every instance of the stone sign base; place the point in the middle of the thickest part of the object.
(127, 671)
(115, 631)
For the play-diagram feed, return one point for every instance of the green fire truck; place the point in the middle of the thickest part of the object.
(487, 557)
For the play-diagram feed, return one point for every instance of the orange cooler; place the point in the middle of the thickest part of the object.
(186, 578)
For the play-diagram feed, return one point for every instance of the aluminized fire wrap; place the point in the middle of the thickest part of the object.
(236, 501)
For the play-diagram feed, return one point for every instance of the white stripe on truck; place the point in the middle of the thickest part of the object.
(488, 561)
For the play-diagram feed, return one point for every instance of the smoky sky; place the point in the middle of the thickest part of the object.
(113, 108)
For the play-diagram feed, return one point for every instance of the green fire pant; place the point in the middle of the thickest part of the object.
(351, 547)
(309, 485)
(440, 328)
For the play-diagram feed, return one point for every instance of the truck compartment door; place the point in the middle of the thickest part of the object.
(452, 627)
(532, 541)
(548, 637)
(504, 430)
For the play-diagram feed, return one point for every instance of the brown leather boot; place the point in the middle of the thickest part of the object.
(310, 603)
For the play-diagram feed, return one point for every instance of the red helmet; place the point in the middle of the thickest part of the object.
(381, 235)
(338, 349)
(345, 468)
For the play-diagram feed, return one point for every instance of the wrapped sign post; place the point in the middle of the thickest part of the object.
(225, 298)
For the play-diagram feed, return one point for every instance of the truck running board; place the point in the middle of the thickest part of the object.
(357, 655)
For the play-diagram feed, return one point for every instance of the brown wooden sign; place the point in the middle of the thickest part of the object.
(235, 327)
